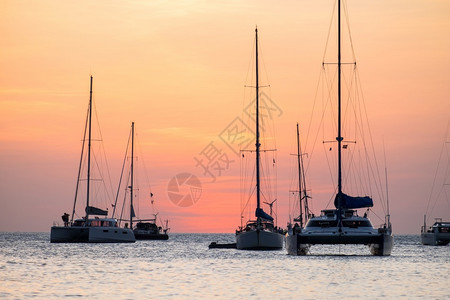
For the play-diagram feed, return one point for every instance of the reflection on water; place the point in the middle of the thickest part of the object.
(184, 267)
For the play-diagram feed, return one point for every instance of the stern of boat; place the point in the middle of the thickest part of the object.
(384, 246)
(259, 240)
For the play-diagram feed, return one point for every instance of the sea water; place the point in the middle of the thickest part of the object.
(184, 268)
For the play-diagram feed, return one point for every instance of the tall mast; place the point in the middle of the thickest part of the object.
(339, 137)
(132, 172)
(299, 178)
(89, 151)
(258, 189)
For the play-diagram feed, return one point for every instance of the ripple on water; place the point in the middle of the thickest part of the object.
(184, 267)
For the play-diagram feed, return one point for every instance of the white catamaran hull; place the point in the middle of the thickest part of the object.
(259, 240)
(384, 248)
(76, 234)
(380, 242)
(295, 248)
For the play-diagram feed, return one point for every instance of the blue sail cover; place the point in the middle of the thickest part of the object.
(96, 211)
(349, 202)
(262, 214)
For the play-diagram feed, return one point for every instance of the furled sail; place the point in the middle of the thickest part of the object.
(91, 210)
(349, 202)
(262, 214)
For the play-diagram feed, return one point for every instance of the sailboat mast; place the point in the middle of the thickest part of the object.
(299, 178)
(89, 151)
(258, 188)
(339, 137)
(131, 178)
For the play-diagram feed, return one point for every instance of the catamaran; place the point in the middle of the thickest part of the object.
(95, 226)
(342, 225)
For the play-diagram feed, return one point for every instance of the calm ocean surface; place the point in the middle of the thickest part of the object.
(184, 268)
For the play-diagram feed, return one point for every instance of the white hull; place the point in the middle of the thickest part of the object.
(380, 244)
(293, 247)
(80, 234)
(384, 248)
(354, 230)
(259, 240)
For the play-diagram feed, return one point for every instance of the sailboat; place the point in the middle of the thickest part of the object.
(95, 226)
(259, 234)
(299, 222)
(343, 225)
(438, 234)
(143, 229)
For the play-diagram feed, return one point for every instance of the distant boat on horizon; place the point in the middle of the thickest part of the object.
(143, 229)
(439, 233)
(95, 226)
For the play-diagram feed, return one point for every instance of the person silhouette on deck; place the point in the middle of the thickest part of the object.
(65, 218)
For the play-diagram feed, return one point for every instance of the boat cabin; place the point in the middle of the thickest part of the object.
(253, 225)
(97, 222)
(328, 218)
(148, 226)
(441, 227)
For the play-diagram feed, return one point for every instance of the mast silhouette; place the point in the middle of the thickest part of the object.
(89, 152)
(299, 178)
(339, 137)
(258, 188)
(302, 195)
(131, 177)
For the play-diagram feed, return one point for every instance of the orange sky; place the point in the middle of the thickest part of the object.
(178, 70)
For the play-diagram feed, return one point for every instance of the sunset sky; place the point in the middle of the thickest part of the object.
(178, 70)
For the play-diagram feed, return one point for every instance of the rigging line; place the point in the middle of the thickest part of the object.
(359, 127)
(261, 57)
(101, 179)
(241, 189)
(347, 17)
(376, 215)
(244, 183)
(329, 30)
(350, 103)
(142, 160)
(443, 190)
(330, 96)
(121, 174)
(371, 143)
(249, 71)
(322, 79)
(330, 171)
(386, 177)
(109, 192)
(124, 200)
(437, 167)
(80, 166)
